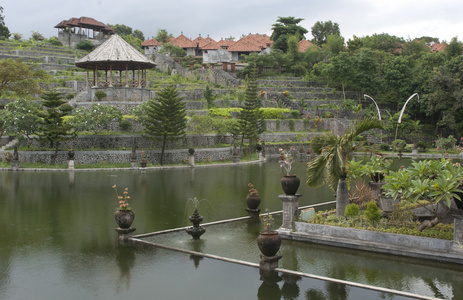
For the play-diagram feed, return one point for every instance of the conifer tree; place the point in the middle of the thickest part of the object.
(250, 119)
(166, 119)
(52, 128)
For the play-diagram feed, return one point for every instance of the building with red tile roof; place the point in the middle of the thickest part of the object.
(438, 47)
(151, 46)
(304, 45)
(252, 43)
(75, 30)
(183, 42)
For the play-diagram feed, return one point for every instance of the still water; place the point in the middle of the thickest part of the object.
(57, 241)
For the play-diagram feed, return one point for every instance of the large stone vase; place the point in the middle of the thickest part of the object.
(269, 242)
(252, 201)
(124, 218)
(290, 184)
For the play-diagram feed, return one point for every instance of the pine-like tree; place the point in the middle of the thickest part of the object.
(251, 119)
(52, 128)
(166, 118)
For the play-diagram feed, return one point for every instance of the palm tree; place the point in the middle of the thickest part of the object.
(330, 164)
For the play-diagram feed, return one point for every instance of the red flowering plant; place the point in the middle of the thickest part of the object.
(252, 190)
(123, 200)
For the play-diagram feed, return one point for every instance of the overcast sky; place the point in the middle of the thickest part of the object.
(220, 19)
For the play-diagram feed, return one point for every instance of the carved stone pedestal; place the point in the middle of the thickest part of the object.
(269, 263)
(290, 211)
(125, 233)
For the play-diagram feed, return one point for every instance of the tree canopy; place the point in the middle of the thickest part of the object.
(19, 78)
(166, 120)
(283, 29)
(321, 30)
(4, 31)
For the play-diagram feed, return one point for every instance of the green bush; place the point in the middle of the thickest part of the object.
(422, 145)
(275, 113)
(125, 125)
(100, 95)
(85, 45)
(352, 210)
(294, 114)
(399, 144)
(54, 41)
(372, 213)
(384, 147)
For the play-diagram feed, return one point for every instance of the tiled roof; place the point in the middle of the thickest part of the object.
(211, 46)
(151, 42)
(251, 43)
(183, 42)
(303, 45)
(200, 41)
(113, 51)
(436, 47)
(225, 43)
(85, 22)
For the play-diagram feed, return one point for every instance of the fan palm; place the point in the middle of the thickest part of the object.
(330, 165)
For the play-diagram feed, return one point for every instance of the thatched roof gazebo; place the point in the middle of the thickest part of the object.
(116, 56)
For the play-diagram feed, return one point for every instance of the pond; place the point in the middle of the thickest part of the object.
(58, 240)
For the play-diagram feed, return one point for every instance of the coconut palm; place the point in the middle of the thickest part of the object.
(330, 164)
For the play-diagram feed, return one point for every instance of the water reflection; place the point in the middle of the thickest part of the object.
(58, 238)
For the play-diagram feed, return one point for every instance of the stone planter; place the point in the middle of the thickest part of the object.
(290, 184)
(269, 242)
(124, 218)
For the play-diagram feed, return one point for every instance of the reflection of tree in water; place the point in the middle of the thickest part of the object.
(336, 291)
(314, 294)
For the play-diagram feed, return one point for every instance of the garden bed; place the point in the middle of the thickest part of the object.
(382, 242)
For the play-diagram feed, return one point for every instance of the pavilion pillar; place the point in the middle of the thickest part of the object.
(126, 75)
(88, 78)
(139, 78)
(133, 78)
(96, 75)
(110, 76)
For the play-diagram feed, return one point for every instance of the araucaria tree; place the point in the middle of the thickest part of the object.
(250, 119)
(52, 127)
(166, 119)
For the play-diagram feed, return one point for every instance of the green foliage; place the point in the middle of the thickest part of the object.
(19, 77)
(433, 181)
(295, 114)
(125, 124)
(54, 41)
(284, 28)
(384, 147)
(172, 50)
(398, 145)
(163, 36)
(95, 118)
(20, 118)
(321, 30)
(85, 45)
(100, 95)
(445, 144)
(250, 118)
(166, 119)
(352, 210)
(209, 96)
(52, 128)
(372, 213)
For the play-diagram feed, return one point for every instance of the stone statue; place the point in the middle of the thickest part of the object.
(15, 153)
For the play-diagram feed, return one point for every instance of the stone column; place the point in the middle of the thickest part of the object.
(191, 160)
(290, 211)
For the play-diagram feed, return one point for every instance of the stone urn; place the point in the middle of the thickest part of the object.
(143, 163)
(124, 218)
(269, 242)
(253, 201)
(290, 184)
